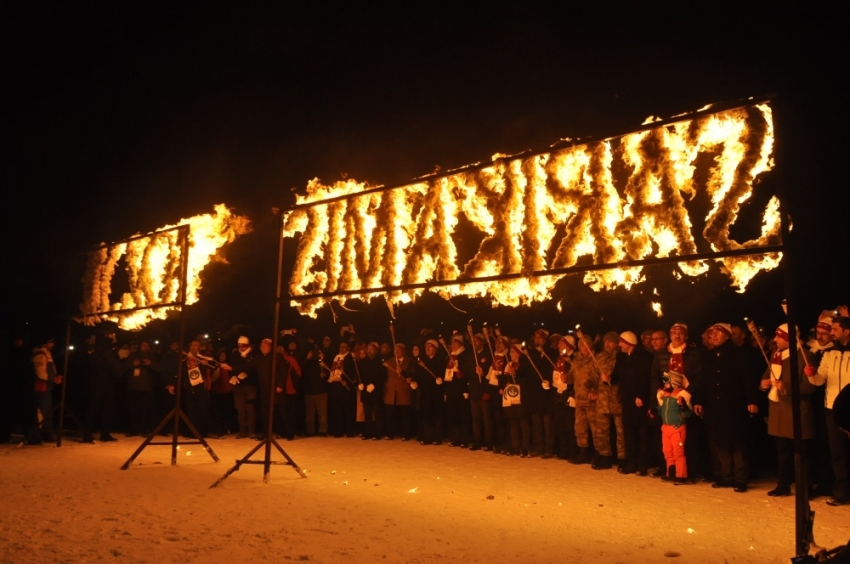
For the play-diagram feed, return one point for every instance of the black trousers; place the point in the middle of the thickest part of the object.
(520, 434)
(342, 411)
(732, 464)
(785, 460)
(543, 433)
(224, 413)
(501, 430)
(638, 435)
(140, 405)
(373, 417)
(564, 421)
(245, 400)
(101, 406)
(482, 421)
(839, 448)
(398, 421)
(458, 417)
(431, 421)
(199, 409)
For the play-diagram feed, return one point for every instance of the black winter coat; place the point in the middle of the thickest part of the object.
(726, 389)
(633, 372)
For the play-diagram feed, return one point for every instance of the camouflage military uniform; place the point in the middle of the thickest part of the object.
(609, 406)
(586, 378)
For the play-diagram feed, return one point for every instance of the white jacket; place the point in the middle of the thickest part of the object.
(834, 370)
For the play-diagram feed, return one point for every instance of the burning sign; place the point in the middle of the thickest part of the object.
(153, 266)
(405, 235)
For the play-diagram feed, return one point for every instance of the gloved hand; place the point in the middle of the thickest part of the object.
(439, 381)
(242, 376)
(413, 385)
(370, 388)
(361, 387)
(465, 395)
(234, 380)
(810, 371)
(571, 402)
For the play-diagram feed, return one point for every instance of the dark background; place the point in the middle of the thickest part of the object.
(125, 118)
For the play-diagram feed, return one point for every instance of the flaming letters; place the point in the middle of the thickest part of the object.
(406, 235)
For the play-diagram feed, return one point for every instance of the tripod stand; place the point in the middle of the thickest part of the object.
(267, 462)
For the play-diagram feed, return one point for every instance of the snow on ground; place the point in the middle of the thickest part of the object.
(376, 501)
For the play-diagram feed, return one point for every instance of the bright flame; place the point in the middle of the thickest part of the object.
(153, 268)
(656, 307)
(519, 204)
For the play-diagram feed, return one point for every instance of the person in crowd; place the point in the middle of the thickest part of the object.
(431, 405)
(243, 378)
(608, 404)
(659, 341)
(373, 377)
(460, 366)
(288, 390)
(479, 397)
(397, 394)
(586, 380)
(564, 411)
(821, 461)
(684, 358)
(315, 387)
(834, 372)
(342, 407)
(15, 396)
(646, 340)
(169, 363)
(518, 376)
(103, 372)
(539, 399)
(271, 395)
(501, 429)
(633, 375)
(196, 370)
(674, 407)
(221, 397)
(780, 422)
(142, 370)
(727, 397)
(46, 378)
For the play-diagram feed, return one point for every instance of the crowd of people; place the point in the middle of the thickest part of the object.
(651, 404)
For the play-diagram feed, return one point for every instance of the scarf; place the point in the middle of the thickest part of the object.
(677, 358)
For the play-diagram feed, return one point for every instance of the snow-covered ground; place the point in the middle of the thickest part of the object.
(376, 501)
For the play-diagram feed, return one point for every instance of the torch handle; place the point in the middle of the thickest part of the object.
(754, 330)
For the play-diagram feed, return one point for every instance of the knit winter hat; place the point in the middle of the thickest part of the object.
(543, 332)
(243, 340)
(725, 327)
(629, 338)
(433, 342)
(457, 337)
(825, 320)
(782, 331)
(680, 326)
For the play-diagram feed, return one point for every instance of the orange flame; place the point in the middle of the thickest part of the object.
(153, 269)
(405, 235)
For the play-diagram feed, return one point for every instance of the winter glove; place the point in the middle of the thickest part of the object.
(439, 381)
(465, 395)
(545, 384)
(413, 385)
(361, 387)
(571, 402)
(370, 388)
(810, 371)
(234, 380)
(242, 376)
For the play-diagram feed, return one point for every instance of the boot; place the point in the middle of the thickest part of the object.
(671, 474)
(581, 457)
(603, 463)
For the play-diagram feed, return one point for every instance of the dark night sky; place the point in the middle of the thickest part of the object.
(124, 119)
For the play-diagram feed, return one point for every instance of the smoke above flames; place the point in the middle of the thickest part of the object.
(405, 235)
(153, 266)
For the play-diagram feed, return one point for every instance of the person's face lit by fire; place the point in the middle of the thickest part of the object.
(195, 347)
(371, 351)
(718, 337)
(739, 336)
(414, 350)
(678, 336)
(430, 350)
(612, 346)
(456, 345)
(781, 343)
(265, 347)
(145, 347)
(584, 348)
(823, 336)
(646, 340)
(659, 340)
(343, 348)
(539, 339)
(326, 342)
(222, 356)
(385, 349)
(515, 354)
(293, 347)
(478, 342)
(400, 350)
(706, 337)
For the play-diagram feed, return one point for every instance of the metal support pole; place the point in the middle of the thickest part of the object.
(803, 515)
(64, 384)
(184, 276)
